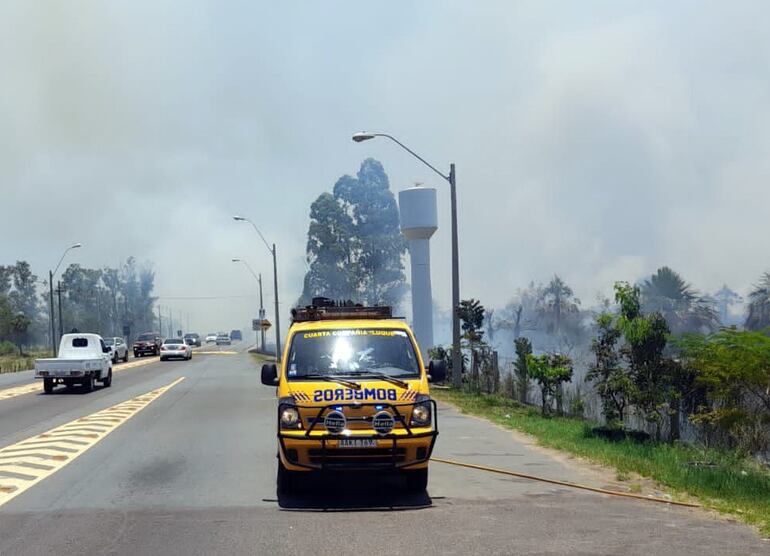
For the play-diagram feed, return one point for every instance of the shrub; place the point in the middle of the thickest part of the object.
(7, 348)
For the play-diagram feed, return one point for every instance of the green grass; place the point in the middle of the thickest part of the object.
(14, 363)
(733, 485)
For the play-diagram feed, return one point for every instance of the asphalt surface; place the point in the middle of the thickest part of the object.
(193, 473)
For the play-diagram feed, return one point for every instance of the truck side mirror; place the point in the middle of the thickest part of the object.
(269, 374)
(437, 370)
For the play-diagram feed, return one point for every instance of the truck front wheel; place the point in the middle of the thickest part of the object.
(48, 385)
(107, 382)
(286, 481)
(417, 480)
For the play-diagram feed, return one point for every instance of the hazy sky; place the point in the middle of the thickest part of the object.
(598, 140)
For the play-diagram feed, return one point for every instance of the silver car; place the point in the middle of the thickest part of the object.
(175, 348)
(118, 347)
(223, 340)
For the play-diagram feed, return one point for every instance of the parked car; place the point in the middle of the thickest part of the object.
(211, 338)
(175, 348)
(147, 344)
(223, 340)
(192, 339)
(118, 347)
(236, 336)
(83, 359)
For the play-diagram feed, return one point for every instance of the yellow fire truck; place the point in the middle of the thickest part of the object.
(353, 395)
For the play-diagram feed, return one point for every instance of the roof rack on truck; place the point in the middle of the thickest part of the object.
(323, 308)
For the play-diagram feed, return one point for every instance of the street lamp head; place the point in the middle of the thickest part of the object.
(236, 260)
(76, 245)
(362, 136)
(239, 218)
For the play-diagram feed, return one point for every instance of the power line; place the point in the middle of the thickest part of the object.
(205, 297)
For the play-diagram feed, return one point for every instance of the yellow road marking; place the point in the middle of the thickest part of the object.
(19, 390)
(37, 386)
(26, 463)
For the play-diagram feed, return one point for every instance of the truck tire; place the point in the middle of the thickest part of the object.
(107, 382)
(88, 383)
(48, 385)
(417, 480)
(286, 481)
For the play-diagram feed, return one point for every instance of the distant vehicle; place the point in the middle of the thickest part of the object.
(83, 359)
(175, 348)
(211, 338)
(236, 336)
(147, 344)
(118, 347)
(192, 339)
(223, 340)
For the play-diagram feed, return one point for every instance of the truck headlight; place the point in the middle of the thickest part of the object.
(421, 412)
(289, 417)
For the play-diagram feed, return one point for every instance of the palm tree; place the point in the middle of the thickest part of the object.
(759, 305)
(684, 309)
(556, 300)
(726, 297)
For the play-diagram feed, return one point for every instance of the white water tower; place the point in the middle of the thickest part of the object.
(418, 223)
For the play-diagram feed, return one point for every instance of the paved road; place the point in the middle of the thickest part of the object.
(191, 471)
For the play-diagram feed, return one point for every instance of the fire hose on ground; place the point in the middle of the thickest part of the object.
(563, 483)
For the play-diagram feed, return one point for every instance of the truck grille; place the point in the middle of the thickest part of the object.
(356, 456)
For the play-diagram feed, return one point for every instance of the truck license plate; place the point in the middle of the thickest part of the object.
(357, 443)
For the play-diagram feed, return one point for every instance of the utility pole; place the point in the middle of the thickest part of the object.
(50, 306)
(278, 353)
(457, 361)
(275, 284)
(261, 316)
(61, 322)
(160, 322)
(170, 324)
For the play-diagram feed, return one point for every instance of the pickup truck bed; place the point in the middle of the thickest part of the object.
(94, 363)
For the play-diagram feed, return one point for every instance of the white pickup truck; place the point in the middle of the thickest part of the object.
(83, 359)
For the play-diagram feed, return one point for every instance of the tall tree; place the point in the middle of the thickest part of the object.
(523, 350)
(646, 338)
(759, 304)
(557, 300)
(667, 293)
(23, 298)
(613, 382)
(330, 251)
(355, 249)
(522, 313)
(471, 313)
(726, 298)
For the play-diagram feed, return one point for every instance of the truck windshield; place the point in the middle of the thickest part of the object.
(352, 352)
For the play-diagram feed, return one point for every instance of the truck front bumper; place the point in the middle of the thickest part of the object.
(313, 448)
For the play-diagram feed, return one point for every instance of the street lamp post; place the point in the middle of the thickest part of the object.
(456, 354)
(258, 278)
(275, 284)
(51, 274)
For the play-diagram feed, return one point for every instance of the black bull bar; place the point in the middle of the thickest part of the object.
(391, 452)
